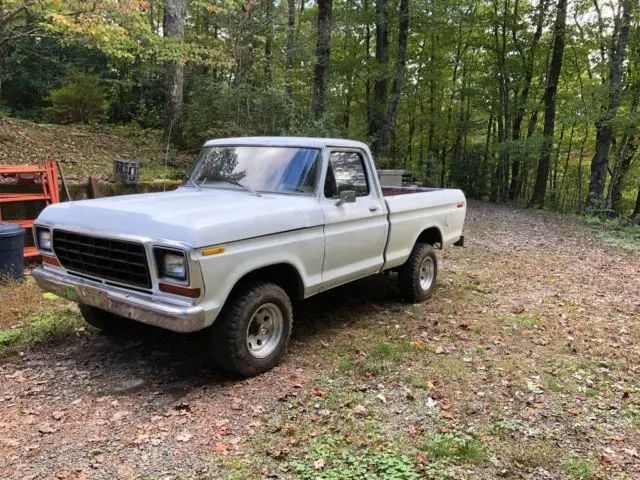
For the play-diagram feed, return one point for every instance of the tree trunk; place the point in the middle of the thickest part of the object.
(431, 148)
(291, 22)
(515, 188)
(626, 154)
(636, 210)
(566, 162)
(323, 51)
(398, 78)
(268, 43)
(604, 128)
(174, 28)
(540, 187)
(582, 146)
(500, 43)
(485, 157)
(367, 79)
(382, 60)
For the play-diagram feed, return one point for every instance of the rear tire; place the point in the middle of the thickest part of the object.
(417, 277)
(107, 322)
(252, 332)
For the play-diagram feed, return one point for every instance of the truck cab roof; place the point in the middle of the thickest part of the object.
(309, 142)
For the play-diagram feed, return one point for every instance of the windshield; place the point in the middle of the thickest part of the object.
(263, 169)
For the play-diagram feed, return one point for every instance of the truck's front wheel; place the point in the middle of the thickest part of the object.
(417, 277)
(253, 330)
(108, 322)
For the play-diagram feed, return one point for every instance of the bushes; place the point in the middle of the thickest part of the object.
(83, 100)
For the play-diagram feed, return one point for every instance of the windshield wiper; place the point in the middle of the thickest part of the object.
(241, 185)
(193, 182)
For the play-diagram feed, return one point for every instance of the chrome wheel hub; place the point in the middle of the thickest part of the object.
(265, 330)
(427, 273)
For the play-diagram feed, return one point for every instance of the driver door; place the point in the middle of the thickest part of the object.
(355, 231)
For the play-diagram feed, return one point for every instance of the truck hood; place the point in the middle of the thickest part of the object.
(195, 217)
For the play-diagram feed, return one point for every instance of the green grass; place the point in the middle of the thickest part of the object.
(456, 446)
(47, 326)
(505, 427)
(382, 356)
(334, 457)
(577, 467)
(530, 323)
(616, 234)
(388, 351)
(5, 137)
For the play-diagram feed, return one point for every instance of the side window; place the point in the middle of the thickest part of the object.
(346, 172)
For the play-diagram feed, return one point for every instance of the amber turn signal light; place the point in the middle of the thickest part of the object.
(179, 290)
(51, 261)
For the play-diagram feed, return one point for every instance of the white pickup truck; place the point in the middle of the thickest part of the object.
(259, 222)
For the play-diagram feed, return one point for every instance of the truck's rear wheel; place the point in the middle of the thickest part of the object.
(417, 277)
(252, 332)
(108, 322)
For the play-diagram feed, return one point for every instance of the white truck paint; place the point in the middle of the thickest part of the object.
(304, 240)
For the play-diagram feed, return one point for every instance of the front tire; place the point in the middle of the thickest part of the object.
(107, 322)
(417, 277)
(252, 332)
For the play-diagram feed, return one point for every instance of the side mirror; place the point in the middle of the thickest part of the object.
(346, 196)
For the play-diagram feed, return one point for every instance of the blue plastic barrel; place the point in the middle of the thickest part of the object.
(11, 251)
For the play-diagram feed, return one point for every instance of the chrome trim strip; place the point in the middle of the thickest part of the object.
(149, 309)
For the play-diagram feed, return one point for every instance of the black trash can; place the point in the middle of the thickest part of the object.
(11, 251)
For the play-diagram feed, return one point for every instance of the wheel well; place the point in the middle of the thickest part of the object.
(284, 275)
(432, 236)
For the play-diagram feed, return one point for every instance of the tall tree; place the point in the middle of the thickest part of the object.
(604, 126)
(528, 61)
(625, 155)
(555, 67)
(381, 85)
(291, 22)
(323, 51)
(174, 14)
(398, 78)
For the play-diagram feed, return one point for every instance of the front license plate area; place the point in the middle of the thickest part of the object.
(92, 296)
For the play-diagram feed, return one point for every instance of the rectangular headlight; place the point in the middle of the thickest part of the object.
(175, 266)
(44, 239)
(171, 263)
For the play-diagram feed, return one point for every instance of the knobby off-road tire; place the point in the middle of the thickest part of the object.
(108, 322)
(417, 277)
(252, 332)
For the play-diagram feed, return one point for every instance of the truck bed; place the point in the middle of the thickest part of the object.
(413, 210)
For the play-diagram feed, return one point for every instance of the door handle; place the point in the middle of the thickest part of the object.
(373, 208)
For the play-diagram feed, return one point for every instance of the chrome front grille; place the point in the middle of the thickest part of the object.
(105, 258)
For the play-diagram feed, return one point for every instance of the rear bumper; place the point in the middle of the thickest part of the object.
(139, 307)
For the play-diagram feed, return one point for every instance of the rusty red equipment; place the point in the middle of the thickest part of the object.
(48, 174)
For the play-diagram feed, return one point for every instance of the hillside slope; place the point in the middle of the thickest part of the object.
(84, 151)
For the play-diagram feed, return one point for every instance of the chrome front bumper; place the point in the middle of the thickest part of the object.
(139, 307)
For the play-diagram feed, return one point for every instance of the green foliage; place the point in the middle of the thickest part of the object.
(82, 100)
(217, 110)
(505, 427)
(455, 446)
(48, 326)
(577, 467)
(455, 121)
(617, 233)
(338, 462)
